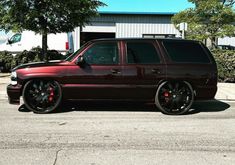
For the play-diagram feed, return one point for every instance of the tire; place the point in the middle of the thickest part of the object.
(174, 98)
(42, 96)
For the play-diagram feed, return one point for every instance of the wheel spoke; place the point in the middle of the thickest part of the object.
(172, 105)
(177, 87)
(170, 86)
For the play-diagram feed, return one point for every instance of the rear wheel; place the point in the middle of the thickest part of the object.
(42, 96)
(174, 98)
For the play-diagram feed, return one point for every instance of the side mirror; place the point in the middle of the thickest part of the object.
(81, 62)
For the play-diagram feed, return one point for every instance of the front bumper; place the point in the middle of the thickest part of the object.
(14, 93)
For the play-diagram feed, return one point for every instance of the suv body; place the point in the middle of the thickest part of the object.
(171, 72)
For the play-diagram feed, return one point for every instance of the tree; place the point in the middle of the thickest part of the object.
(208, 19)
(46, 16)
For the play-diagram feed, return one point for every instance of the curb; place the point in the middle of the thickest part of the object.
(4, 75)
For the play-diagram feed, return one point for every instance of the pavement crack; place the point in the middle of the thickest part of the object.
(56, 156)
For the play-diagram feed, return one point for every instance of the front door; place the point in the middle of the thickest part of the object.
(100, 76)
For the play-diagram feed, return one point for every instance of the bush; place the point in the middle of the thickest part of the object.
(34, 55)
(225, 60)
(6, 60)
(55, 55)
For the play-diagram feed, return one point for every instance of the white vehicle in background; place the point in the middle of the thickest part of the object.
(27, 40)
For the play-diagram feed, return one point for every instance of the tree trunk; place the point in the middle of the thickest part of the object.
(213, 42)
(44, 46)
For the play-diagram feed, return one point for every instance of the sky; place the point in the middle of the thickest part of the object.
(145, 5)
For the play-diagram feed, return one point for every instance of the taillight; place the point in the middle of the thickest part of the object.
(67, 45)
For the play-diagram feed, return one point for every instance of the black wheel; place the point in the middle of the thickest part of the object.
(174, 98)
(42, 96)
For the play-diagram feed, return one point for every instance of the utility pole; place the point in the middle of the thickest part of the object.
(183, 28)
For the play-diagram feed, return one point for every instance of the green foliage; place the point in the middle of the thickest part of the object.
(52, 16)
(5, 61)
(225, 60)
(34, 56)
(46, 16)
(209, 19)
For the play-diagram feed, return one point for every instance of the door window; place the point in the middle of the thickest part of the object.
(104, 53)
(142, 53)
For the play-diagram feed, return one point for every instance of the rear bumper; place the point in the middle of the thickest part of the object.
(14, 93)
(206, 92)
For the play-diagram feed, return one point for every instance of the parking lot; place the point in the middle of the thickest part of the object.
(117, 133)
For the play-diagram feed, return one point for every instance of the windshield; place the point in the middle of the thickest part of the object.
(72, 56)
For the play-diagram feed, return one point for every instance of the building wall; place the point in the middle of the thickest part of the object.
(227, 41)
(129, 26)
(137, 25)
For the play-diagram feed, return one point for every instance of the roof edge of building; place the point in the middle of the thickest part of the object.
(135, 13)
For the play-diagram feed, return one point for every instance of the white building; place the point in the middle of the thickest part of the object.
(227, 41)
(126, 25)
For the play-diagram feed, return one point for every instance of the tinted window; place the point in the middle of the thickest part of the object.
(186, 52)
(141, 53)
(102, 53)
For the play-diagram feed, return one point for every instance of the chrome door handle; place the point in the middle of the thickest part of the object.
(156, 71)
(115, 71)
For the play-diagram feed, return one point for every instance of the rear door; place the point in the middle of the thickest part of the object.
(143, 68)
(190, 61)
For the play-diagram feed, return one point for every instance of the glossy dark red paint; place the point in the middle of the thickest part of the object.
(120, 81)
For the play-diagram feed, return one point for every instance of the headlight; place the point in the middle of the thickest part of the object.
(13, 78)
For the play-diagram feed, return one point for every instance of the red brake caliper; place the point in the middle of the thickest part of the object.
(166, 95)
(51, 96)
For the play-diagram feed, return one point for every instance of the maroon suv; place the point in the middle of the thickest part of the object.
(172, 73)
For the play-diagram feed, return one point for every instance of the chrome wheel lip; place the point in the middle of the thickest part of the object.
(176, 102)
(37, 101)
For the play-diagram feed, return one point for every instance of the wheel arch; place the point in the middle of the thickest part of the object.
(178, 80)
(37, 78)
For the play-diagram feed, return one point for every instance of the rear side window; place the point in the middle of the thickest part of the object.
(187, 52)
(141, 53)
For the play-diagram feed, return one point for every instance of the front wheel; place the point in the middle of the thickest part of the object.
(174, 98)
(42, 96)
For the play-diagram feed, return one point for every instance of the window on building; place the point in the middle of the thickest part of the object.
(142, 53)
(102, 53)
(186, 52)
(158, 35)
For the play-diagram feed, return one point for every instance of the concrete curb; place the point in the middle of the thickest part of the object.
(226, 91)
(4, 75)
